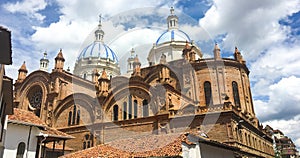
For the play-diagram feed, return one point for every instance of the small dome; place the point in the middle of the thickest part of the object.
(173, 35)
(98, 49)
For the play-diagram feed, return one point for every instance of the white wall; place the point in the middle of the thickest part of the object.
(205, 151)
(208, 151)
(190, 151)
(20, 133)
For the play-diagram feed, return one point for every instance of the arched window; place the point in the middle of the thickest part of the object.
(249, 140)
(145, 108)
(135, 108)
(124, 111)
(74, 116)
(208, 94)
(116, 112)
(130, 107)
(84, 76)
(20, 150)
(87, 141)
(78, 117)
(236, 96)
(84, 145)
(70, 118)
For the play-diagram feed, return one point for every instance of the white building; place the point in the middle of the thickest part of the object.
(27, 136)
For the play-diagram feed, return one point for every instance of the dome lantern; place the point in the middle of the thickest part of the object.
(99, 33)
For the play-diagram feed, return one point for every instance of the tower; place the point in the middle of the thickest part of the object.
(44, 62)
(22, 73)
(136, 66)
(130, 61)
(59, 61)
(172, 20)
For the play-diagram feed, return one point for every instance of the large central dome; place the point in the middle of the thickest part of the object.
(98, 49)
(96, 57)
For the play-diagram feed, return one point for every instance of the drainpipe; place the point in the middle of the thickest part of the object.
(28, 141)
(41, 143)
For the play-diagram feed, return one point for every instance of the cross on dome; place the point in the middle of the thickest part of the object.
(99, 33)
(172, 10)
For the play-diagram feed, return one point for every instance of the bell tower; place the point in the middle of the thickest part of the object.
(130, 61)
(44, 63)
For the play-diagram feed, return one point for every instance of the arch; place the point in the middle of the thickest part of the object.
(235, 91)
(36, 77)
(81, 100)
(208, 93)
(121, 91)
(116, 113)
(28, 88)
(145, 108)
(21, 150)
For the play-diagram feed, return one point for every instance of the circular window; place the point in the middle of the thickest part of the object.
(35, 98)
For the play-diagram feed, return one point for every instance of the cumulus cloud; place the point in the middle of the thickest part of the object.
(28, 7)
(250, 25)
(123, 30)
(289, 127)
(283, 103)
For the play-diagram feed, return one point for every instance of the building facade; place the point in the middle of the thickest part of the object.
(170, 95)
(6, 87)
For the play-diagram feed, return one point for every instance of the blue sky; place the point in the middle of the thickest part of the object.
(266, 32)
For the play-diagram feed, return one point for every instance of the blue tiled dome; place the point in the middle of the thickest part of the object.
(173, 35)
(98, 49)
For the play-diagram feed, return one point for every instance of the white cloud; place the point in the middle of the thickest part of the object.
(289, 127)
(28, 7)
(250, 25)
(75, 27)
(283, 103)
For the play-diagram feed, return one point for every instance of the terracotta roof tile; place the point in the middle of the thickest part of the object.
(165, 145)
(29, 118)
(146, 146)
(25, 117)
(99, 151)
(52, 132)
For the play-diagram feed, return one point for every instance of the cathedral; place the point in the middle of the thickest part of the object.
(178, 91)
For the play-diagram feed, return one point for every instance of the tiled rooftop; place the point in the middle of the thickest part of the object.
(28, 118)
(25, 117)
